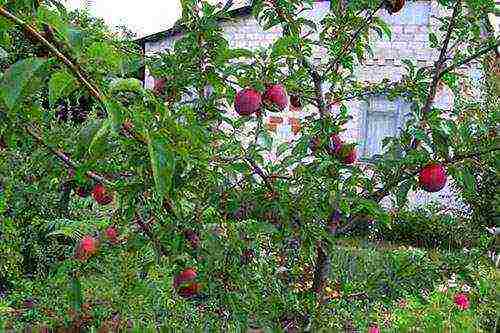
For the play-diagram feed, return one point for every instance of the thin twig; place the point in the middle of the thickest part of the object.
(73, 67)
(469, 59)
(145, 228)
(353, 39)
(64, 158)
(441, 60)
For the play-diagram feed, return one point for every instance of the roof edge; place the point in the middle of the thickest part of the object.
(178, 29)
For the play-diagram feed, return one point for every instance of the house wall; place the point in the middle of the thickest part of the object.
(410, 30)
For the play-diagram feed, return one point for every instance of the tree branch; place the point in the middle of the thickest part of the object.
(469, 59)
(145, 228)
(64, 158)
(322, 269)
(441, 60)
(73, 67)
(355, 36)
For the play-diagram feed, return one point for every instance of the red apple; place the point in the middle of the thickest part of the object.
(89, 244)
(101, 195)
(433, 177)
(87, 247)
(394, 6)
(111, 233)
(276, 95)
(184, 283)
(351, 156)
(247, 102)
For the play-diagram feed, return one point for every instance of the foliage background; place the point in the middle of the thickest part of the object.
(263, 230)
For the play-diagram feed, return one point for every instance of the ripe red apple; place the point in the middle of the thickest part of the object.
(350, 157)
(247, 102)
(335, 144)
(295, 101)
(432, 177)
(184, 283)
(394, 6)
(87, 247)
(276, 94)
(101, 195)
(89, 244)
(112, 233)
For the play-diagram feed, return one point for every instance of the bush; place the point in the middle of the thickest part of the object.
(431, 227)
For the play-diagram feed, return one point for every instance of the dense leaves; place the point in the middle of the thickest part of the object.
(180, 182)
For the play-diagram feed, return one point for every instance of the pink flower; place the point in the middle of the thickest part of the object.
(462, 301)
(373, 329)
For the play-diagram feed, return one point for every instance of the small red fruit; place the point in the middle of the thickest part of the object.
(87, 247)
(276, 94)
(433, 177)
(111, 233)
(462, 301)
(350, 158)
(88, 244)
(394, 6)
(247, 102)
(101, 195)
(184, 283)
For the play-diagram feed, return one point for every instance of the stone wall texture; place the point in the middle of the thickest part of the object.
(410, 31)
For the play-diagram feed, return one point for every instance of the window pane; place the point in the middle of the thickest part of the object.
(379, 126)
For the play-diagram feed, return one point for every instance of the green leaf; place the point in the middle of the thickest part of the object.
(468, 180)
(433, 40)
(162, 162)
(17, 79)
(61, 84)
(126, 85)
(402, 192)
(116, 113)
(97, 140)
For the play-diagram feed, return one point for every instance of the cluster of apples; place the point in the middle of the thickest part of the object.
(89, 245)
(249, 101)
(185, 283)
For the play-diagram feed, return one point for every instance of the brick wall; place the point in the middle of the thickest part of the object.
(410, 29)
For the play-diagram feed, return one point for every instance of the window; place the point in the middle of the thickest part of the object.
(381, 119)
